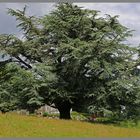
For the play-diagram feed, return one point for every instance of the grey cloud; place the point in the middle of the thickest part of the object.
(8, 23)
(36, 9)
(128, 12)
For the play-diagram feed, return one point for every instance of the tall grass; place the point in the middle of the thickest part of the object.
(12, 125)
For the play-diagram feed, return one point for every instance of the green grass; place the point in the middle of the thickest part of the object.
(121, 123)
(13, 125)
(130, 124)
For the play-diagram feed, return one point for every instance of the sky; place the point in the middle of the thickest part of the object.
(128, 15)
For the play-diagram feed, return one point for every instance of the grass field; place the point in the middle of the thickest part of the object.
(13, 125)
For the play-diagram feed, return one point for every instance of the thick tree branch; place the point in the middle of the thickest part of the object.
(23, 62)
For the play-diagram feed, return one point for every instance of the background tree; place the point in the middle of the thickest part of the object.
(8, 100)
(18, 89)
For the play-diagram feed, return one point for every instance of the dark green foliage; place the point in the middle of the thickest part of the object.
(19, 89)
(72, 58)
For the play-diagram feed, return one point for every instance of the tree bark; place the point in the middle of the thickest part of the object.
(3, 112)
(31, 110)
(64, 110)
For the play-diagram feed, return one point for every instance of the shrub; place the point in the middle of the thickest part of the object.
(78, 116)
(45, 114)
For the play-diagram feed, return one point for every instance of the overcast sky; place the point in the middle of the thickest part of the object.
(129, 15)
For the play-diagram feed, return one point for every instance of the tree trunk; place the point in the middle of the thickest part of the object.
(3, 112)
(31, 110)
(64, 110)
(65, 114)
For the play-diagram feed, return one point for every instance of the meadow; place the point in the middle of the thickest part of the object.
(14, 125)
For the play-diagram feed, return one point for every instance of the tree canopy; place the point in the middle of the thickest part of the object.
(71, 58)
